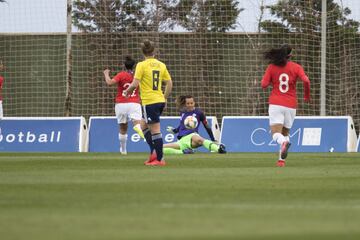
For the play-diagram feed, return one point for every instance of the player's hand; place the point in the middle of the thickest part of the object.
(125, 94)
(170, 129)
(106, 72)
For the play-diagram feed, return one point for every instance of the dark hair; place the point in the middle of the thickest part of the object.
(147, 47)
(278, 56)
(129, 63)
(181, 100)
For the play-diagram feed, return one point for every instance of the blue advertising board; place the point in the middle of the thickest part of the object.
(308, 134)
(103, 134)
(42, 134)
(358, 144)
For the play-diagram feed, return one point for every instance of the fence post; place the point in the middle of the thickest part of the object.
(323, 59)
(68, 58)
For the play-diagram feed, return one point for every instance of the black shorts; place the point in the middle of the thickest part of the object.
(151, 113)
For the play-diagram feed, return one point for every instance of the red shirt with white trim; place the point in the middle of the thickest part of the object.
(283, 80)
(124, 79)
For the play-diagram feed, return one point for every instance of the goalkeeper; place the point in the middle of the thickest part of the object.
(189, 139)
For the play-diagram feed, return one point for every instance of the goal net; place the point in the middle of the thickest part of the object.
(213, 50)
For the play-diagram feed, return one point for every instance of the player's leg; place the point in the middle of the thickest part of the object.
(185, 144)
(123, 136)
(121, 116)
(289, 117)
(276, 120)
(172, 148)
(134, 113)
(152, 115)
(197, 141)
(147, 135)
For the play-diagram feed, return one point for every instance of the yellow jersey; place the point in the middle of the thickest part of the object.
(151, 72)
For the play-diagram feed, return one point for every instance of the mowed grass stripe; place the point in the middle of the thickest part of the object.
(200, 196)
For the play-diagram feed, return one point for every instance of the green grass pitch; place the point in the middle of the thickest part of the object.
(200, 196)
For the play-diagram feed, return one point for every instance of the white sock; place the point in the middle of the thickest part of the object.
(287, 138)
(123, 139)
(279, 138)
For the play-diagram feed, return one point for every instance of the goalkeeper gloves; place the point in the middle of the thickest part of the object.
(170, 129)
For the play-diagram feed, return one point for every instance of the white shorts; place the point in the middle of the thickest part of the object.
(1, 110)
(126, 111)
(281, 115)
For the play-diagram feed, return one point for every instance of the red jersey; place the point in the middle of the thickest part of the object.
(283, 80)
(124, 80)
(1, 83)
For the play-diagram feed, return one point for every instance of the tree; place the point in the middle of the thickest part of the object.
(109, 15)
(208, 15)
(299, 23)
(299, 16)
(155, 15)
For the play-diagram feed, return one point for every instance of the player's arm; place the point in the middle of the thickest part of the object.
(306, 82)
(109, 81)
(168, 82)
(265, 82)
(134, 84)
(168, 87)
(139, 72)
(173, 130)
(207, 126)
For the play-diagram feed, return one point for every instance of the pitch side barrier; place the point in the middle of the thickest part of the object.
(358, 144)
(308, 134)
(43, 134)
(103, 134)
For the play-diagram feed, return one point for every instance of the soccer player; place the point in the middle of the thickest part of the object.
(282, 74)
(189, 139)
(150, 75)
(126, 108)
(2, 67)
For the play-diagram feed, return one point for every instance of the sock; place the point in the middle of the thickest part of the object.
(137, 128)
(148, 138)
(123, 139)
(168, 151)
(278, 137)
(158, 145)
(287, 138)
(211, 146)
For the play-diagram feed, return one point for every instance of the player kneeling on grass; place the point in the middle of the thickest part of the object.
(126, 107)
(188, 137)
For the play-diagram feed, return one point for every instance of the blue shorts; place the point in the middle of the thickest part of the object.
(151, 113)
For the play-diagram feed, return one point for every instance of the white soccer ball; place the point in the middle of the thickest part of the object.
(190, 122)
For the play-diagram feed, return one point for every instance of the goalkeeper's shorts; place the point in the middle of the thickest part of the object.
(185, 141)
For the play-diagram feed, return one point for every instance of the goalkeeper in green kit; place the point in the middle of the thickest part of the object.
(189, 138)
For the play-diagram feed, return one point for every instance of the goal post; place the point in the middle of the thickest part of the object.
(213, 50)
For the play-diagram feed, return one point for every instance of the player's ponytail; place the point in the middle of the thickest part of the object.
(181, 100)
(278, 56)
(129, 63)
(147, 47)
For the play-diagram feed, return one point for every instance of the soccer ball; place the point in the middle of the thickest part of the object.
(190, 122)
